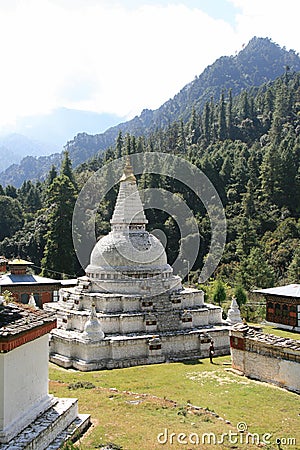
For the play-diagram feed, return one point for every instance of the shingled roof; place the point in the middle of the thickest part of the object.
(22, 321)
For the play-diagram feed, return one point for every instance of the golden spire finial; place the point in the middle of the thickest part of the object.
(128, 171)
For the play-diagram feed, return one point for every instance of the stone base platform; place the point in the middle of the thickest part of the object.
(52, 428)
(68, 350)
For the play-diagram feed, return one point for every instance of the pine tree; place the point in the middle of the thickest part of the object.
(240, 295)
(270, 175)
(181, 140)
(207, 123)
(119, 145)
(230, 126)
(246, 237)
(194, 130)
(255, 271)
(245, 107)
(293, 272)
(222, 132)
(219, 293)
(51, 175)
(66, 169)
(11, 191)
(11, 216)
(32, 201)
(127, 145)
(59, 255)
(248, 203)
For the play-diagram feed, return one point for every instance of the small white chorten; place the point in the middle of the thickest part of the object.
(31, 301)
(92, 328)
(234, 314)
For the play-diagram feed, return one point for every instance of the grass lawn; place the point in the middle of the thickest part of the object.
(280, 332)
(130, 407)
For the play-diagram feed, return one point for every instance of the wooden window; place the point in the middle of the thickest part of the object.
(145, 304)
(154, 346)
(186, 319)
(24, 298)
(277, 309)
(285, 311)
(150, 322)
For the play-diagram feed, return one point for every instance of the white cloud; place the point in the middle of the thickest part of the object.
(119, 60)
(278, 20)
(106, 57)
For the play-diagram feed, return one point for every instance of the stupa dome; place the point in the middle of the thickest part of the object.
(129, 259)
(137, 251)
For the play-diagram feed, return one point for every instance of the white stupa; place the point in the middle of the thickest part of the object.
(234, 314)
(130, 308)
(31, 301)
(129, 259)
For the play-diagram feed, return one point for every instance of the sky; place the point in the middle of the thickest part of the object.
(119, 57)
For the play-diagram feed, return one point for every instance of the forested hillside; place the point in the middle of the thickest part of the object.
(258, 62)
(249, 147)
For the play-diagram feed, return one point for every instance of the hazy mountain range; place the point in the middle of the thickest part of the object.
(48, 133)
(258, 62)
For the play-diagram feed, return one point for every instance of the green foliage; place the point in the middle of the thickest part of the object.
(245, 139)
(240, 295)
(254, 313)
(66, 169)
(11, 216)
(59, 254)
(260, 61)
(8, 297)
(219, 293)
(255, 271)
(293, 271)
(68, 445)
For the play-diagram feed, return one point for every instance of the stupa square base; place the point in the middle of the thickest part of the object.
(126, 351)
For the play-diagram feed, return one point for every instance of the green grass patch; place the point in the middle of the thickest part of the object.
(130, 407)
(280, 332)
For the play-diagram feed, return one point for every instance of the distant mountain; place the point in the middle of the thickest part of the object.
(23, 155)
(258, 62)
(14, 147)
(63, 124)
(29, 167)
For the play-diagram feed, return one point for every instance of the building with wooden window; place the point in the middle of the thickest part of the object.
(22, 284)
(283, 305)
(3, 264)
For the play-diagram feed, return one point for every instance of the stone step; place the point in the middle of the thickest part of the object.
(51, 428)
(72, 432)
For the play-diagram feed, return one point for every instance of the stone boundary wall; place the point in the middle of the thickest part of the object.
(266, 357)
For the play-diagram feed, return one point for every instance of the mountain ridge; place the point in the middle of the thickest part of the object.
(260, 61)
